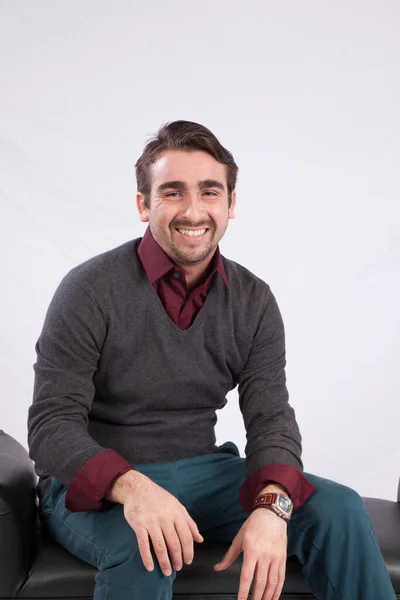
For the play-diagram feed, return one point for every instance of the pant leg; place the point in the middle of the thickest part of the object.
(208, 487)
(330, 534)
(105, 540)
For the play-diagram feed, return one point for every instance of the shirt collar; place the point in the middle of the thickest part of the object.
(157, 263)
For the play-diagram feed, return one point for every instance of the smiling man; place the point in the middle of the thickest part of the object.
(139, 348)
(189, 211)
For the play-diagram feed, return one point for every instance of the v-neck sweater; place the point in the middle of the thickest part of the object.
(114, 371)
(170, 280)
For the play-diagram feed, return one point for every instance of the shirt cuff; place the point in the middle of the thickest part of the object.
(87, 489)
(293, 480)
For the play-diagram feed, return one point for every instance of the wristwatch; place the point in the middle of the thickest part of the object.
(278, 503)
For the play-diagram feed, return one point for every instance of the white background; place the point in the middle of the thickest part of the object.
(307, 97)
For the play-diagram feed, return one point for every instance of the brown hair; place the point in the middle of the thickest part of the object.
(183, 135)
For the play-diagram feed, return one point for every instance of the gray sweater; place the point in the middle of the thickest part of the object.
(113, 371)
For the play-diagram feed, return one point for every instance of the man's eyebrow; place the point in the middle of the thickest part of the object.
(175, 185)
(181, 185)
(211, 183)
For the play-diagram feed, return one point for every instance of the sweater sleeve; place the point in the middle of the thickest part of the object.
(273, 436)
(68, 351)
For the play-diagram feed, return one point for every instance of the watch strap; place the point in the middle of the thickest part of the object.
(269, 501)
(268, 498)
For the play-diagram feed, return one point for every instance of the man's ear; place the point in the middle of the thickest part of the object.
(231, 212)
(142, 208)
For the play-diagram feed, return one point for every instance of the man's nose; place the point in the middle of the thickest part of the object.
(192, 208)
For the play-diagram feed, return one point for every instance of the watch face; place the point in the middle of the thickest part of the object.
(284, 503)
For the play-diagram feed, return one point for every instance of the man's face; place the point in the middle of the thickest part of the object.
(188, 212)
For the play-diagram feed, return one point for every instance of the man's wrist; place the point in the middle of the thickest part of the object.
(123, 486)
(261, 503)
(268, 511)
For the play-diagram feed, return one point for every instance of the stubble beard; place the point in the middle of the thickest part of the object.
(189, 257)
(195, 256)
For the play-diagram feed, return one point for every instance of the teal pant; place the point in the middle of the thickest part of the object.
(330, 534)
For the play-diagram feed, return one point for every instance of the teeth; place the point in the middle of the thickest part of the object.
(195, 233)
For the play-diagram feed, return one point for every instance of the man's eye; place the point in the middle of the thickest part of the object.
(210, 193)
(172, 194)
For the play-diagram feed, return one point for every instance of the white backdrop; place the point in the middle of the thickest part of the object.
(307, 96)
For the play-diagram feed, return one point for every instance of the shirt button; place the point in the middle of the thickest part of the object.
(177, 274)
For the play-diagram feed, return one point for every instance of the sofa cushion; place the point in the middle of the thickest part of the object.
(385, 517)
(57, 574)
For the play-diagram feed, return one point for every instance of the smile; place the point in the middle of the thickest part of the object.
(192, 232)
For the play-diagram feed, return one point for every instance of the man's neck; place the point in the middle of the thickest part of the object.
(195, 276)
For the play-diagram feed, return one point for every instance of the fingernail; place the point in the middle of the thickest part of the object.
(167, 573)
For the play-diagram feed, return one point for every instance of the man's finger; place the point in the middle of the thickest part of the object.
(160, 548)
(279, 588)
(246, 577)
(272, 582)
(174, 545)
(230, 556)
(195, 531)
(186, 539)
(144, 547)
(260, 580)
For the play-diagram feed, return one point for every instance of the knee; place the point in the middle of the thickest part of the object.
(122, 548)
(336, 503)
(124, 575)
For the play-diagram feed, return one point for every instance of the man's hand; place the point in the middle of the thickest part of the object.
(153, 512)
(263, 540)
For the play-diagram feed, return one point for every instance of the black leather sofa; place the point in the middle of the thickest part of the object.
(34, 566)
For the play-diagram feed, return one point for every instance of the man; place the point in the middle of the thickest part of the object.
(139, 348)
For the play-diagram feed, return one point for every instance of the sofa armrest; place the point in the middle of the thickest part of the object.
(17, 515)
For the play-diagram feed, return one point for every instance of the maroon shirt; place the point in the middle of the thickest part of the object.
(87, 490)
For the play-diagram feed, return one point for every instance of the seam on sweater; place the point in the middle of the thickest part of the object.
(321, 554)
